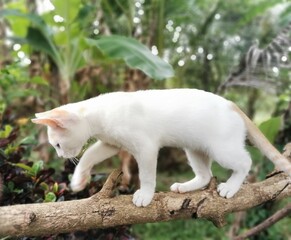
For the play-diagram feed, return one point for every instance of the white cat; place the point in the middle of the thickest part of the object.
(205, 125)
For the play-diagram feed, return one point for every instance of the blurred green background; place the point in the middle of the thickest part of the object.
(60, 51)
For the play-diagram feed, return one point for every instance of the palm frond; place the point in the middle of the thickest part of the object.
(260, 67)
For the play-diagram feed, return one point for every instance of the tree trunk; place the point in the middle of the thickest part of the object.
(5, 59)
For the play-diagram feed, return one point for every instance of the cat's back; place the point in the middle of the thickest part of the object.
(166, 114)
(172, 98)
(168, 99)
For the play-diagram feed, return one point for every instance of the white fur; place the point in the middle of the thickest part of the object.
(203, 124)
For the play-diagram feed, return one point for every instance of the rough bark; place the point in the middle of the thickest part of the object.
(102, 210)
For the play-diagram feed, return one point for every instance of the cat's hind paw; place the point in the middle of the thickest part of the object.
(183, 187)
(142, 198)
(192, 185)
(176, 187)
(227, 190)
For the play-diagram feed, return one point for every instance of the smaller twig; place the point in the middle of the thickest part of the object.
(287, 151)
(267, 223)
(279, 214)
(109, 185)
(1, 187)
(275, 195)
(234, 228)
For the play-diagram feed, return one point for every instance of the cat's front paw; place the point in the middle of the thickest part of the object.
(142, 198)
(79, 181)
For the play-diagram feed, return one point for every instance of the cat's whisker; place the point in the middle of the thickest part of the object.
(76, 160)
(73, 161)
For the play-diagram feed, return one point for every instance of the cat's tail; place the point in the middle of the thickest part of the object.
(263, 144)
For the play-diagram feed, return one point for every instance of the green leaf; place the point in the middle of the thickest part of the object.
(10, 186)
(44, 186)
(39, 41)
(36, 167)
(271, 127)
(19, 93)
(84, 16)
(135, 54)
(56, 187)
(256, 10)
(39, 80)
(39, 35)
(68, 9)
(2, 107)
(30, 140)
(256, 155)
(33, 18)
(25, 167)
(6, 132)
(50, 197)
(10, 149)
(18, 191)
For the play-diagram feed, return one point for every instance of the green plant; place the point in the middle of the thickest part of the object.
(14, 82)
(66, 47)
(135, 55)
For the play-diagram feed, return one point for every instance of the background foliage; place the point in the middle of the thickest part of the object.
(54, 52)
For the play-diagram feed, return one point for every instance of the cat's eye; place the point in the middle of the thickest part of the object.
(58, 145)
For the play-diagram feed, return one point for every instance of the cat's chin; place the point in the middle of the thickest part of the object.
(71, 155)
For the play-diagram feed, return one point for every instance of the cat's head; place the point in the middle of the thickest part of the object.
(67, 132)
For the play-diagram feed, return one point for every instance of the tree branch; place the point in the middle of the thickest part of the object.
(276, 216)
(267, 223)
(102, 210)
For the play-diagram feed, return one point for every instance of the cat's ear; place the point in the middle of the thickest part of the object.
(55, 118)
(53, 123)
(55, 113)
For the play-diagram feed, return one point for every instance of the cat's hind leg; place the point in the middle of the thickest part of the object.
(95, 154)
(201, 165)
(238, 160)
